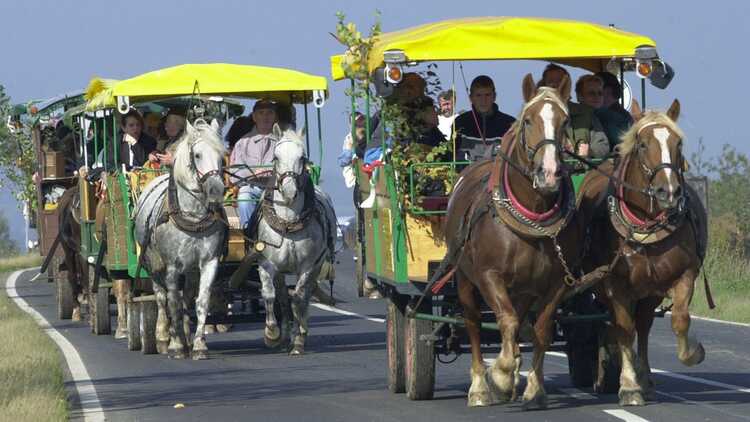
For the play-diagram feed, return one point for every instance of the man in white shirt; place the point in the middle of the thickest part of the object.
(446, 102)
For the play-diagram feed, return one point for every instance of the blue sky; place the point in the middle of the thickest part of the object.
(51, 47)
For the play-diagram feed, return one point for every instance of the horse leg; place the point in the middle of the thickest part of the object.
(121, 289)
(177, 345)
(162, 320)
(689, 350)
(271, 334)
(300, 306)
(503, 371)
(208, 273)
(630, 392)
(286, 309)
(534, 396)
(479, 392)
(74, 279)
(644, 319)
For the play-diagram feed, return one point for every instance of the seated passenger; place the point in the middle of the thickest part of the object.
(254, 149)
(411, 88)
(585, 133)
(152, 124)
(481, 129)
(447, 104)
(169, 135)
(425, 122)
(613, 116)
(590, 94)
(134, 145)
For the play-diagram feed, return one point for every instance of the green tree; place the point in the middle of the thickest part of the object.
(17, 156)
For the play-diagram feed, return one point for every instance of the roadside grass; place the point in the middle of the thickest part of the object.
(32, 387)
(728, 271)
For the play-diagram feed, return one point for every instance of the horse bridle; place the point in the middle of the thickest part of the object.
(201, 177)
(299, 178)
(651, 172)
(531, 152)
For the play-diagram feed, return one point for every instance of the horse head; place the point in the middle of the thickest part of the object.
(199, 160)
(288, 163)
(654, 142)
(541, 130)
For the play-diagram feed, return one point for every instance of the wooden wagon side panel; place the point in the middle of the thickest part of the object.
(117, 245)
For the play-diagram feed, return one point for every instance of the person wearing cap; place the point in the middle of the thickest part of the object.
(254, 149)
(481, 129)
(169, 136)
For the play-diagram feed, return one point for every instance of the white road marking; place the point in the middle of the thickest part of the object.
(347, 313)
(90, 407)
(692, 402)
(625, 415)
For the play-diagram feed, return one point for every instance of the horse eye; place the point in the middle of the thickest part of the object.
(198, 156)
(527, 121)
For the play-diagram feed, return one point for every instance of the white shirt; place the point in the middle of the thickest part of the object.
(445, 124)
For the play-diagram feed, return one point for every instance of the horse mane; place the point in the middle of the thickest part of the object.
(541, 94)
(630, 137)
(199, 130)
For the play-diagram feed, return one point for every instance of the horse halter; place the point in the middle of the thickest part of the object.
(299, 178)
(532, 151)
(201, 177)
(651, 172)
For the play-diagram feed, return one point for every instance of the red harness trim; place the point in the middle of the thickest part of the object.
(531, 215)
(633, 219)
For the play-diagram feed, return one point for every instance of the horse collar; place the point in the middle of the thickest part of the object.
(210, 221)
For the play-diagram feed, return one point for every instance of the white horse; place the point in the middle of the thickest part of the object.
(294, 235)
(180, 227)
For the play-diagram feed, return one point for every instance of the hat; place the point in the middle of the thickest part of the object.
(264, 104)
(177, 111)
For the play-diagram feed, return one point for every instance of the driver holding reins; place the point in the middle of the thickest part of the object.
(254, 149)
(480, 129)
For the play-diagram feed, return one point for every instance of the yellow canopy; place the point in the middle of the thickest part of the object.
(222, 79)
(581, 44)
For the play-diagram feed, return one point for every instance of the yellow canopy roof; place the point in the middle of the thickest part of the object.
(581, 44)
(221, 79)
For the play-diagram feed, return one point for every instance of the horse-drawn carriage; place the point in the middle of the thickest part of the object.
(404, 243)
(113, 195)
(57, 150)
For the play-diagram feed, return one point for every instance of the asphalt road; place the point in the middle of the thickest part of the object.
(342, 377)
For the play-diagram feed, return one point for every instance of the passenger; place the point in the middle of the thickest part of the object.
(135, 145)
(351, 151)
(613, 116)
(426, 121)
(585, 129)
(169, 135)
(590, 95)
(481, 129)
(152, 122)
(254, 149)
(447, 104)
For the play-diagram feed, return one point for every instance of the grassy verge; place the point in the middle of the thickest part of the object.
(32, 386)
(728, 273)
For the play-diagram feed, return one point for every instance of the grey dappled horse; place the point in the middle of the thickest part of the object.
(296, 224)
(185, 232)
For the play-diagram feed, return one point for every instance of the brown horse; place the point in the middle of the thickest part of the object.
(69, 226)
(652, 231)
(506, 219)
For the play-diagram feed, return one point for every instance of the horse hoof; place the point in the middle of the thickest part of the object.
(121, 333)
(375, 294)
(480, 399)
(174, 354)
(200, 354)
(223, 328)
(631, 398)
(209, 329)
(698, 355)
(538, 402)
(162, 347)
(76, 315)
(297, 351)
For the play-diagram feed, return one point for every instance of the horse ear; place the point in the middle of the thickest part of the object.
(189, 129)
(277, 132)
(564, 89)
(529, 87)
(635, 110)
(215, 125)
(674, 110)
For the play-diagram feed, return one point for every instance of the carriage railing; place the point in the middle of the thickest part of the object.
(416, 199)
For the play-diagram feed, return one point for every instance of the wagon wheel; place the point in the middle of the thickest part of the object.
(149, 313)
(134, 326)
(359, 270)
(64, 290)
(582, 351)
(395, 322)
(420, 357)
(101, 322)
